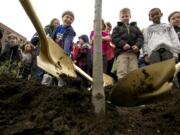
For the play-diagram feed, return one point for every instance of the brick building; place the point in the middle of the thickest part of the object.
(6, 30)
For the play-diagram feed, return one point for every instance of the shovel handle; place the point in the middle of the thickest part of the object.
(26, 4)
(84, 74)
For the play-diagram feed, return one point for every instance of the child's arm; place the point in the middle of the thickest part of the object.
(75, 52)
(140, 40)
(174, 40)
(53, 36)
(68, 41)
(145, 45)
(116, 38)
(106, 38)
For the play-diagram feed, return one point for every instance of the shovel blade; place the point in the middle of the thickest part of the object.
(62, 62)
(142, 81)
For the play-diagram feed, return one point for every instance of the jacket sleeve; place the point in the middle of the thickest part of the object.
(53, 36)
(140, 39)
(68, 44)
(145, 45)
(116, 38)
(174, 40)
(68, 40)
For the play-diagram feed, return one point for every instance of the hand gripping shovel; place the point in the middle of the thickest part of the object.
(52, 58)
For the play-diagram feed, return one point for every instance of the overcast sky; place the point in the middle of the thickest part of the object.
(13, 15)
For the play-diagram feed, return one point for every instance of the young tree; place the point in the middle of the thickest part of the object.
(98, 96)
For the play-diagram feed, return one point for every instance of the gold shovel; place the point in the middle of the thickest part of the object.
(144, 84)
(52, 58)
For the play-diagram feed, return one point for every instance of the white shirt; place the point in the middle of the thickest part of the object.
(158, 36)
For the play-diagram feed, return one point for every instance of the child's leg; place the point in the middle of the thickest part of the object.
(109, 66)
(122, 65)
(133, 62)
(104, 64)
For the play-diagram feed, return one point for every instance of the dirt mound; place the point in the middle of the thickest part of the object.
(27, 108)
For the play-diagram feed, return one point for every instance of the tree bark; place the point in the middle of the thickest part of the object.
(98, 96)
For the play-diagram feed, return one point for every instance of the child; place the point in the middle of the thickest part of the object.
(110, 50)
(128, 40)
(161, 41)
(174, 19)
(27, 58)
(10, 56)
(82, 54)
(52, 26)
(64, 34)
(106, 38)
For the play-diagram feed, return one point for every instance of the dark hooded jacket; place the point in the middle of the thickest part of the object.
(129, 34)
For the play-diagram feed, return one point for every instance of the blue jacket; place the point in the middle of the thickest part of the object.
(68, 35)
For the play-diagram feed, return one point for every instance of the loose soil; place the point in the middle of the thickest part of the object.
(28, 108)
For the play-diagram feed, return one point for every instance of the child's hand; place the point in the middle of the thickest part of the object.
(126, 47)
(57, 40)
(106, 38)
(112, 45)
(135, 48)
(75, 61)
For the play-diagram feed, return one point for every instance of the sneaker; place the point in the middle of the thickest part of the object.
(47, 80)
(61, 82)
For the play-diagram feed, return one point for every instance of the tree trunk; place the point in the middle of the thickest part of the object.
(98, 96)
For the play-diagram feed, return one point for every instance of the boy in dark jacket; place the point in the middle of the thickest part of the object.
(128, 39)
(10, 56)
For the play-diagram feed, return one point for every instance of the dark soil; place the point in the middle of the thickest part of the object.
(27, 108)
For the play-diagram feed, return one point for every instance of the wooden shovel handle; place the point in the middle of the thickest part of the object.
(26, 4)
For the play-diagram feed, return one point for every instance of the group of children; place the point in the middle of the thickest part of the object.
(158, 41)
(125, 45)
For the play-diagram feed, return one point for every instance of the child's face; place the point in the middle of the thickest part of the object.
(81, 42)
(125, 17)
(55, 23)
(12, 40)
(155, 16)
(67, 20)
(108, 29)
(28, 48)
(175, 19)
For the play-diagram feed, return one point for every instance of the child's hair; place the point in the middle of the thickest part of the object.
(108, 24)
(103, 25)
(31, 45)
(125, 11)
(153, 10)
(70, 13)
(175, 12)
(12, 35)
(52, 21)
(85, 38)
